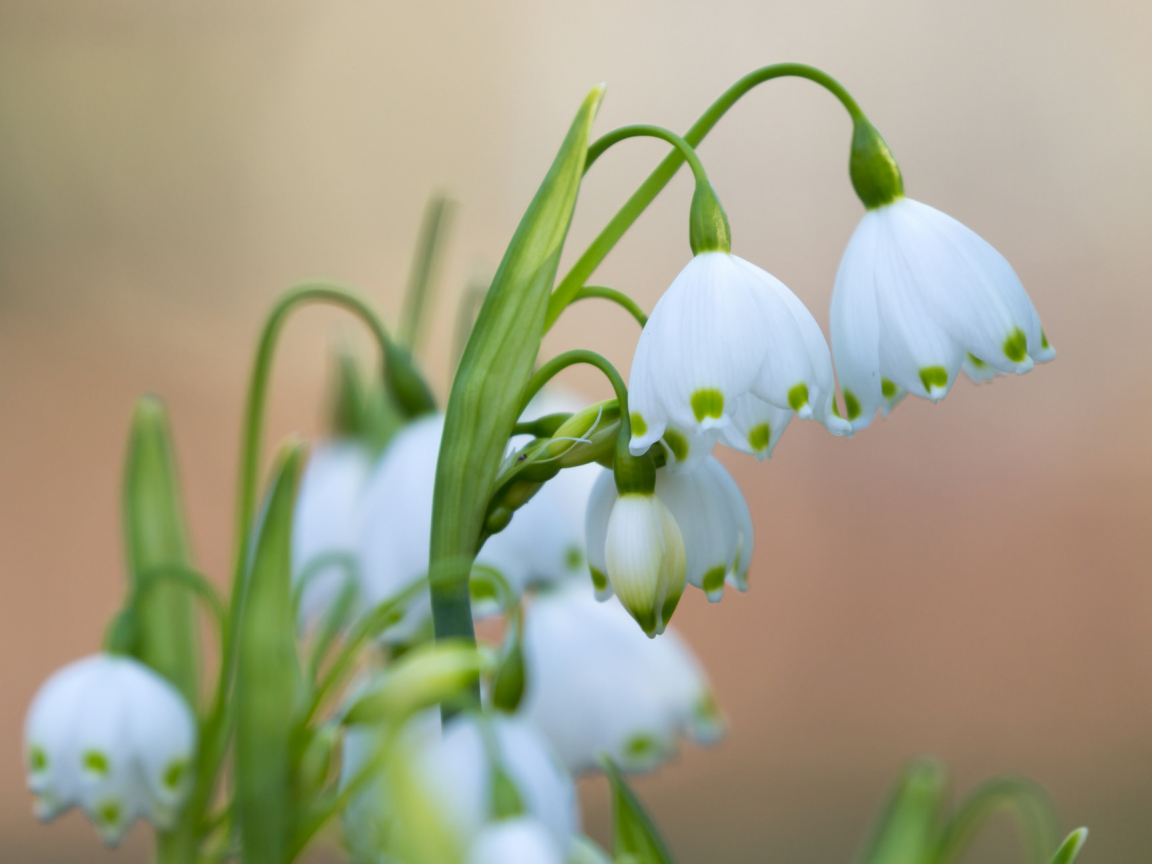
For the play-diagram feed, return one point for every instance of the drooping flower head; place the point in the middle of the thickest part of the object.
(596, 685)
(108, 734)
(919, 296)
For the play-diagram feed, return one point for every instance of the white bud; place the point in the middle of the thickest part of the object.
(644, 553)
(109, 734)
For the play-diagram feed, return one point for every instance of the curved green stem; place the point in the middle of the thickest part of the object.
(597, 148)
(570, 358)
(658, 179)
(193, 581)
(1023, 798)
(617, 297)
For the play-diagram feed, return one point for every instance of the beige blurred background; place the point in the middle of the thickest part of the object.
(969, 579)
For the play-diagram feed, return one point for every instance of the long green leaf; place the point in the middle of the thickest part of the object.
(496, 364)
(635, 837)
(908, 829)
(156, 536)
(1022, 798)
(1069, 850)
(268, 678)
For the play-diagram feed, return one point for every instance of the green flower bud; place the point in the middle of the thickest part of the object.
(872, 167)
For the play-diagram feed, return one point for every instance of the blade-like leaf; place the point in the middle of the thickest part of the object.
(908, 830)
(496, 364)
(634, 834)
(156, 536)
(1070, 849)
(1021, 798)
(268, 678)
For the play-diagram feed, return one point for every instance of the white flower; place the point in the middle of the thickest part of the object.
(595, 685)
(515, 841)
(712, 517)
(918, 297)
(324, 524)
(475, 755)
(643, 554)
(110, 735)
(725, 328)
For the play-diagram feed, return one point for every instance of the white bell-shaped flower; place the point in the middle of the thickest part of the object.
(595, 685)
(918, 297)
(112, 736)
(515, 841)
(711, 514)
(465, 769)
(725, 328)
(324, 524)
(643, 555)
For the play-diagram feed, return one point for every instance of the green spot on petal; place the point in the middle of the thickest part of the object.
(714, 579)
(669, 607)
(108, 813)
(835, 407)
(759, 436)
(707, 403)
(677, 443)
(96, 762)
(646, 618)
(599, 580)
(798, 396)
(1044, 341)
(934, 376)
(573, 557)
(174, 773)
(639, 427)
(1016, 346)
(851, 403)
(887, 388)
(976, 361)
(37, 759)
(642, 747)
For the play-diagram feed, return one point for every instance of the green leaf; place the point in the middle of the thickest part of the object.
(1022, 798)
(634, 834)
(1070, 848)
(908, 829)
(155, 536)
(496, 364)
(268, 678)
(426, 675)
(423, 281)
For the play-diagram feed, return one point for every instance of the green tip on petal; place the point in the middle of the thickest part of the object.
(599, 580)
(759, 436)
(888, 388)
(707, 403)
(96, 762)
(798, 396)
(1044, 341)
(1016, 346)
(714, 579)
(642, 748)
(37, 759)
(976, 361)
(934, 377)
(639, 426)
(677, 443)
(851, 404)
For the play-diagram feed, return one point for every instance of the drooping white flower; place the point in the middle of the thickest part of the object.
(515, 841)
(918, 297)
(712, 516)
(324, 524)
(595, 685)
(112, 736)
(643, 555)
(725, 328)
(475, 756)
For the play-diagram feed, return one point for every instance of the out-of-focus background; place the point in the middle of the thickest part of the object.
(969, 579)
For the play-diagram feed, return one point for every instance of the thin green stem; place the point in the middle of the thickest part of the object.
(570, 358)
(597, 148)
(194, 581)
(658, 179)
(617, 297)
(425, 269)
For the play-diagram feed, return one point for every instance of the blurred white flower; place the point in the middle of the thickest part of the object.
(713, 520)
(725, 328)
(112, 736)
(595, 685)
(918, 297)
(479, 763)
(324, 524)
(515, 841)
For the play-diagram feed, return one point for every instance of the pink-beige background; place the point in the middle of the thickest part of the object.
(970, 579)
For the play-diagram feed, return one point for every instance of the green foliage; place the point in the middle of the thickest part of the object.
(1070, 849)
(909, 826)
(156, 536)
(635, 838)
(268, 678)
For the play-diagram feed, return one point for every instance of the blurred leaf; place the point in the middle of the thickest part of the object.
(155, 536)
(1022, 798)
(908, 830)
(1070, 848)
(508, 688)
(429, 674)
(634, 834)
(268, 678)
(425, 268)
